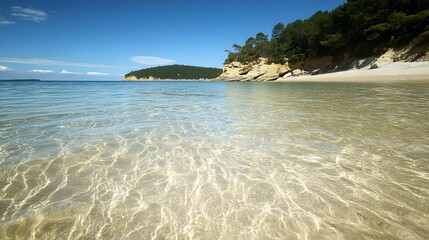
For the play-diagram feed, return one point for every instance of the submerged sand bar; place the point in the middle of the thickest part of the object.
(394, 72)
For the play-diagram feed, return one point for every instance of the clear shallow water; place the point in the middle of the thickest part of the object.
(163, 160)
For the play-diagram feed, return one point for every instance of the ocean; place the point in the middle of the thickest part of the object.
(214, 160)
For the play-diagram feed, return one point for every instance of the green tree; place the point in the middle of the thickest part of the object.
(277, 30)
(358, 27)
(261, 37)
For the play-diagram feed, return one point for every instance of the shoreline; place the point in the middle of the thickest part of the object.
(397, 72)
(393, 72)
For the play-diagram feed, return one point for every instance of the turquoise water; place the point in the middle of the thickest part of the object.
(165, 160)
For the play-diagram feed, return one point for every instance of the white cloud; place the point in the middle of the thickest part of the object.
(50, 62)
(97, 74)
(42, 71)
(6, 22)
(29, 14)
(67, 72)
(4, 68)
(147, 60)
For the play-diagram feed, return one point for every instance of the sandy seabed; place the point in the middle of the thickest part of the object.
(394, 72)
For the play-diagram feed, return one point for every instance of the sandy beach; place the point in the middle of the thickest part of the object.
(394, 72)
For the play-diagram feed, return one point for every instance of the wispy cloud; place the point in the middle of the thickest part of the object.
(97, 74)
(42, 71)
(6, 22)
(81, 73)
(29, 14)
(148, 60)
(4, 68)
(71, 73)
(50, 62)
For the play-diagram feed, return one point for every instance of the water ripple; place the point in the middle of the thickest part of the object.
(214, 161)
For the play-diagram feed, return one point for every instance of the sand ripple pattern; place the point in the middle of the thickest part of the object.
(214, 161)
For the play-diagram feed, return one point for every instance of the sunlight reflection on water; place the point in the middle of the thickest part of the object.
(214, 160)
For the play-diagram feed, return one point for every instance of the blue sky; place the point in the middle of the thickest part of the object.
(103, 40)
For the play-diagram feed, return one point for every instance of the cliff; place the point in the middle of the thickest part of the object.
(256, 71)
(416, 50)
(134, 78)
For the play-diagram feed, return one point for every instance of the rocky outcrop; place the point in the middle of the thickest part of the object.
(258, 71)
(416, 51)
(372, 62)
(384, 59)
(134, 78)
(261, 71)
(130, 78)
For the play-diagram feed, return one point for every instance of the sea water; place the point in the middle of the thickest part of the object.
(206, 160)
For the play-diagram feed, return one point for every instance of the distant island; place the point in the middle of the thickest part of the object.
(21, 80)
(173, 72)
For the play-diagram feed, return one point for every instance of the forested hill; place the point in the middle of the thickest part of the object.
(358, 28)
(175, 72)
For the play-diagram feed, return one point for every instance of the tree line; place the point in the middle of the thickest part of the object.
(360, 27)
(176, 72)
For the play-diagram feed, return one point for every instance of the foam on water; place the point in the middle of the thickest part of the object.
(214, 161)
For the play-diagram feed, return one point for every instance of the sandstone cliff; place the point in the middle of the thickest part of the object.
(258, 71)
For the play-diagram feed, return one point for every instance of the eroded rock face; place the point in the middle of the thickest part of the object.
(287, 75)
(297, 72)
(131, 78)
(261, 70)
(258, 71)
(384, 59)
(134, 78)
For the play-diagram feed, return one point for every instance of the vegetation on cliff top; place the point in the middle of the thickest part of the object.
(358, 27)
(176, 72)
